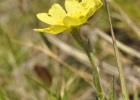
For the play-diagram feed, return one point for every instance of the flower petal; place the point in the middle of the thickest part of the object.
(52, 29)
(73, 6)
(84, 8)
(96, 4)
(70, 21)
(54, 16)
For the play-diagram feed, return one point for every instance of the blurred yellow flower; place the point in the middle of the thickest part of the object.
(78, 12)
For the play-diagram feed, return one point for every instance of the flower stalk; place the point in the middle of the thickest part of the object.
(77, 13)
(85, 44)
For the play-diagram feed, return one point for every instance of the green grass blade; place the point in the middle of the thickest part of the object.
(122, 79)
(45, 39)
(41, 85)
(111, 90)
(136, 97)
(2, 95)
(65, 95)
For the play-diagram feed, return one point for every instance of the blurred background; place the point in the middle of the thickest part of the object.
(41, 66)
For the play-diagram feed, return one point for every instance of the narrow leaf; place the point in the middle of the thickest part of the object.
(111, 90)
(120, 69)
(65, 95)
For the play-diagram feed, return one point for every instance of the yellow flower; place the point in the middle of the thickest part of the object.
(77, 14)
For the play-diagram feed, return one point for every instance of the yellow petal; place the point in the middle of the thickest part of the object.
(73, 6)
(52, 29)
(95, 5)
(69, 21)
(54, 16)
(84, 8)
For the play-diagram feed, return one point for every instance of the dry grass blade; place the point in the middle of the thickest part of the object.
(121, 46)
(68, 49)
(127, 19)
(48, 52)
(86, 76)
(80, 56)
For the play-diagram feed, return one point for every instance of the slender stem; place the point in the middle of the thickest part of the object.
(122, 79)
(75, 32)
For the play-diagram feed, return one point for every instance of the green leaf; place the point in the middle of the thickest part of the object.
(2, 94)
(111, 90)
(65, 95)
(120, 69)
(58, 93)
(41, 85)
(45, 39)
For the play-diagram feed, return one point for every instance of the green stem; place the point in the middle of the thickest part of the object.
(75, 32)
(120, 69)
